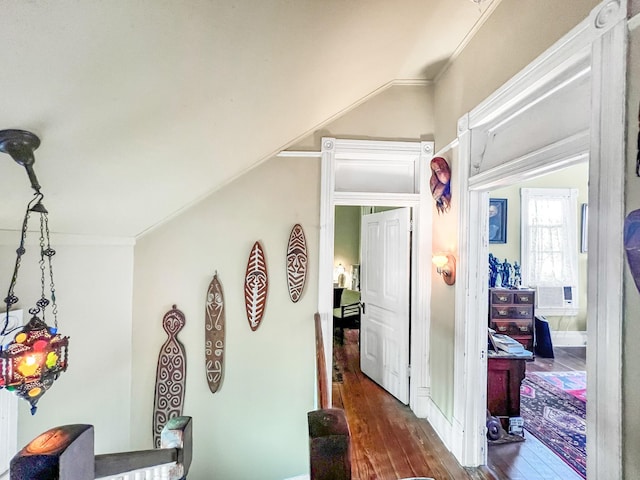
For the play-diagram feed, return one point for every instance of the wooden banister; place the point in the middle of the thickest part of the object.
(329, 435)
(321, 366)
(329, 445)
(67, 453)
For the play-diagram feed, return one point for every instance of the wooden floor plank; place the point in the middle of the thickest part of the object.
(389, 442)
(532, 460)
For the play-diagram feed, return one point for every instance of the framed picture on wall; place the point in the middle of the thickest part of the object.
(497, 220)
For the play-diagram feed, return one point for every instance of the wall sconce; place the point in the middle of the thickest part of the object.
(446, 266)
(37, 355)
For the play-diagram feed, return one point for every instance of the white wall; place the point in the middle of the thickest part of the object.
(93, 279)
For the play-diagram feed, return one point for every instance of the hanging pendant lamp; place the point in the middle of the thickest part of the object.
(36, 356)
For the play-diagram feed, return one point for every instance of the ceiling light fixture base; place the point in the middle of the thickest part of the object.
(20, 144)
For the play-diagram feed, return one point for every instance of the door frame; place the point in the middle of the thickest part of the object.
(410, 159)
(598, 47)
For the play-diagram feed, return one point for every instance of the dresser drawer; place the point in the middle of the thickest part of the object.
(498, 297)
(523, 297)
(525, 340)
(512, 311)
(522, 311)
(512, 327)
(501, 311)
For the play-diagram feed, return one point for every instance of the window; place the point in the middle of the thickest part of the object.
(549, 248)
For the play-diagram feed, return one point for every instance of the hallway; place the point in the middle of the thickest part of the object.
(389, 442)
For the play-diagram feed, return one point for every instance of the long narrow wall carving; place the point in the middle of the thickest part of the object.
(214, 324)
(170, 374)
(255, 286)
(296, 263)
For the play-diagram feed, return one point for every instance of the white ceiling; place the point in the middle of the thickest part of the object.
(145, 107)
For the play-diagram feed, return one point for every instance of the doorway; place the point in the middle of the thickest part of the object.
(541, 216)
(372, 296)
(377, 174)
(572, 97)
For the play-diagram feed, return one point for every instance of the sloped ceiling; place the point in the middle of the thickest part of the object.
(144, 107)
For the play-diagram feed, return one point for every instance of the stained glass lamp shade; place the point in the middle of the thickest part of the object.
(33, 360)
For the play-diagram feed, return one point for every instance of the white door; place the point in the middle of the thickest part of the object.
(384, 326)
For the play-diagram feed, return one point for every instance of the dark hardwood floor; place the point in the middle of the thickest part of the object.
(389, 442)
(531, 460)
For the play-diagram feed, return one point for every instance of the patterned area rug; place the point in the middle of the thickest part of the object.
(556, 415)
(574, 383)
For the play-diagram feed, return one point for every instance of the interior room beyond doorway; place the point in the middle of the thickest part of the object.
(560, 347)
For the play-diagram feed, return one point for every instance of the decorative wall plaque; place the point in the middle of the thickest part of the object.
(632, 244)
(214, 335)
(255, 286)
(170, 375)
(440, 184)
(296, 263)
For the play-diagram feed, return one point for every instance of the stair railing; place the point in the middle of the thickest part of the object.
(67, 453)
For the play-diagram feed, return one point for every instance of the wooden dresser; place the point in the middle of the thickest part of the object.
(511, 312)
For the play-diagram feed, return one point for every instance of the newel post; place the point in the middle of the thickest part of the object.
(329, 445)
(177, 433)
(61, 453)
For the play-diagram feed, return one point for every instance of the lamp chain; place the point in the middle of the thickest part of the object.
(50, 252)
(43, 302)
(11, 298)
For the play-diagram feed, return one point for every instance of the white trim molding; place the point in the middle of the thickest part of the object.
(569, 338)
(412, 160)
(440, 424)
(585, 70)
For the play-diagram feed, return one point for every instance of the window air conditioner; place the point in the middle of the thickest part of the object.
(558, 301)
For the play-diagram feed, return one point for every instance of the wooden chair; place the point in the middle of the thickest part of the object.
(346, 312)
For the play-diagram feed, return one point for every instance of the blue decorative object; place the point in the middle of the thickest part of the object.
(503, 274)
(632, 244)
(517, 277)
(506, 274)
(493, 270)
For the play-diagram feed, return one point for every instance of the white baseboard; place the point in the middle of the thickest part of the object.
(569, 338)
(440, 424)
(421, 406)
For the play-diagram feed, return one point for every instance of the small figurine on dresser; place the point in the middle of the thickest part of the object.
(506, 274)
(493, 271)
(517, 276)
(503, 274)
